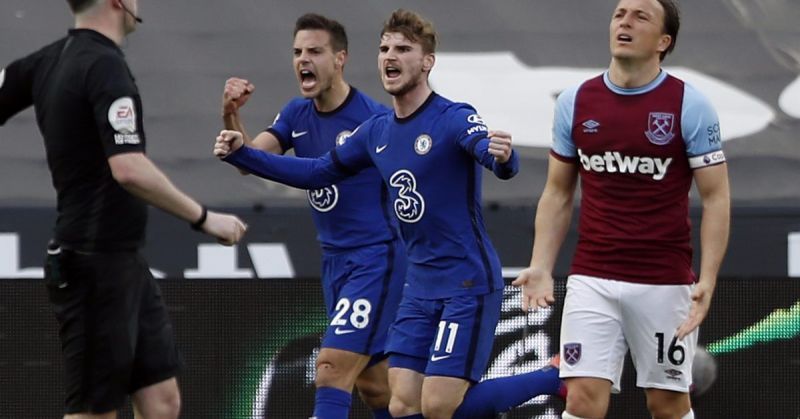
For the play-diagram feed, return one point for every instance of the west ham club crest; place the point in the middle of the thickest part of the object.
(660, 128)
(572, 353)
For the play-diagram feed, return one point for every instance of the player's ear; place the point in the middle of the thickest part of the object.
(664, 42)
(427, 62)
(340, 58)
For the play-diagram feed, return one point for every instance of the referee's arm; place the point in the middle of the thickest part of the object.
(139, 175)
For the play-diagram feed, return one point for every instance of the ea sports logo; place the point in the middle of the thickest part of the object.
(423, 144)
(324, 199)
(122, 115)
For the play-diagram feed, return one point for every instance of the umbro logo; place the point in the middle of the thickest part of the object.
(590, 126)
(296, 134)
(380, 148)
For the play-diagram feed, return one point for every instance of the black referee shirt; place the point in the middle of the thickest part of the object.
(88, 109)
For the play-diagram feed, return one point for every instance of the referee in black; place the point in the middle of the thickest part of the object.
(115, 335)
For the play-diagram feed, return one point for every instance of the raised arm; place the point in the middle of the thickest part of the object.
(235, 95)
(492, 149)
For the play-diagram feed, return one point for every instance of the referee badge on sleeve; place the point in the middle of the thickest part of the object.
(122, 117)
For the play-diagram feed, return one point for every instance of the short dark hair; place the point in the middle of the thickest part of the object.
(414, 27)
(672, 23)
(78, 6)
(313, 21)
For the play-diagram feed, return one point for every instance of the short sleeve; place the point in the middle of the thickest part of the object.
(700, 130)
(563, 144)
(282, 125)
(117, 106)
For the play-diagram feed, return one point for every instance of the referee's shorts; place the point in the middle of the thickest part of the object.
(116, 337)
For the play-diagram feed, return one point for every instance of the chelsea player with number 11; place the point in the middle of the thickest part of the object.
(429, 151)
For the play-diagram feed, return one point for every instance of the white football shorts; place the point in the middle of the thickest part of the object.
(604, 318)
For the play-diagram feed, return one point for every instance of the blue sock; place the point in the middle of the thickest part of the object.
(331, 403)
(488, 398)
(381, 413)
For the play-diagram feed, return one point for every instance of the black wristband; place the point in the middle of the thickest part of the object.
(198, 225)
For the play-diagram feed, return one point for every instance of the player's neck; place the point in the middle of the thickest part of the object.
(333, 97)
(630, 74)
(101, 19)
(407, 103)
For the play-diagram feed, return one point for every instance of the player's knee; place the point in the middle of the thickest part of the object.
(170, 405)
(400, 406)
(664, 404)
(373, 392)
(583, 405)
(166, 406)
(667, 411)
(439, 406)
(329, 374)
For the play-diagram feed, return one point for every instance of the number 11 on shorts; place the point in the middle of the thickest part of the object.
(451, 336)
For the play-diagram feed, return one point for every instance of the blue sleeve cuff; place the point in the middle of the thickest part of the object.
(508, 169)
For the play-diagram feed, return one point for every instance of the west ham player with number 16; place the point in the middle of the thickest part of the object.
(636, 136)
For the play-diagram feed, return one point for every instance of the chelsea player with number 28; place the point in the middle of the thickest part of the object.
(363, 258)
(429, 151)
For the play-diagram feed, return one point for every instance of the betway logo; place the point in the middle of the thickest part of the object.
(614, 162)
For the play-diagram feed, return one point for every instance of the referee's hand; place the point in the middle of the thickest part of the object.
(227, 228)
(227, 142)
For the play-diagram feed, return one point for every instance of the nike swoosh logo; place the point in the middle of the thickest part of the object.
(381, 148)
(435, 358)
(342, 332)
(298, 134)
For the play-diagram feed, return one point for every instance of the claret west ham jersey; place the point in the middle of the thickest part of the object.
(344, 213)
(431, 163)
(635, 150)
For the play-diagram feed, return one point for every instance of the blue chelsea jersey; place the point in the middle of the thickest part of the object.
(352, 212)
(431, 163)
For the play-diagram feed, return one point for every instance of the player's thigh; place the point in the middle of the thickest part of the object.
(406, 388)
(652, 314)
(373, 384)
(157, 356)
(363, 292)
(465, 336)
(413, 332)
(592, 340)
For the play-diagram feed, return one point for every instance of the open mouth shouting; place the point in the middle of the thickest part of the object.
(308, 80)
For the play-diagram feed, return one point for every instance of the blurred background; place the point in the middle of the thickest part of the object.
(249, 317)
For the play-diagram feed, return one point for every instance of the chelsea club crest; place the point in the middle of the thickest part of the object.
(423, 144)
